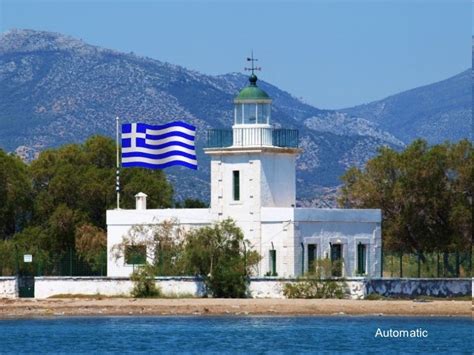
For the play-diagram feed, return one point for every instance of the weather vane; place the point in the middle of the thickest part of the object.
(252, 60)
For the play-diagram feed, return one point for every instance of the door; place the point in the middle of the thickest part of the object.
(26, 275)
(26, 286)
(312, 257)
(336, 260)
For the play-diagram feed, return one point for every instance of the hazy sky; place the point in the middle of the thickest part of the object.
(331, 53)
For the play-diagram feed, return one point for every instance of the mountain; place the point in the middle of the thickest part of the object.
(56, 89)
(437, 112)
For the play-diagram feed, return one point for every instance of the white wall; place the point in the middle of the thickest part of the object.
(173, 286)
(278, 180)
(120, 222)
(46, 287)
(50, 286)
(8, 287)
(347, 227)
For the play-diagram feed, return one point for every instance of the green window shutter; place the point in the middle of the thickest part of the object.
(361, 256)
(236, 185)
(273, 263)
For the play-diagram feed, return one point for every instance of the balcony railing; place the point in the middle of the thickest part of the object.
(252, 137)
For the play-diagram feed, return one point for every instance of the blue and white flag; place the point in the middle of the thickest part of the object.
(158, 147)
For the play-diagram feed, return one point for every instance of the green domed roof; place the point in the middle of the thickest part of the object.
(252, 91)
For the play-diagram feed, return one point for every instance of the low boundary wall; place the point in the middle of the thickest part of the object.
(412, 288)
(8, 287)
(113, 286)
(267, 287)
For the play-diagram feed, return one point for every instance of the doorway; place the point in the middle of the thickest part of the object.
(336, 260)
(312, 249)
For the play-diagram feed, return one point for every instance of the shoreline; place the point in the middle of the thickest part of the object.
(97, 306)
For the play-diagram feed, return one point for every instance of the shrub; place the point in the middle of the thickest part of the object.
(221, 255)
(314, 288)
(144, 283)
(317, 283)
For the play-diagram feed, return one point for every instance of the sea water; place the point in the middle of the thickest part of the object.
(224, 334)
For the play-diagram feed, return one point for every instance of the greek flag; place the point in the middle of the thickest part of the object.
(158, 147)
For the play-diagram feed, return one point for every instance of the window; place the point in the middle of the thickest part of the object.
(236, 185)
(238, 113)
(273, 263)
(263, 113)
(361, 258)
(250, 113)
(311, 257)
(135, 254)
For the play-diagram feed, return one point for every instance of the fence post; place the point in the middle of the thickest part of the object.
(17, 264)
(437, 262)
(70, 261)
(470, 262)
(401, 267)
(458, 272)
(419, 265)
(381, 257)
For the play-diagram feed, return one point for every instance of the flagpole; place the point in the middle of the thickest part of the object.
(117, 176)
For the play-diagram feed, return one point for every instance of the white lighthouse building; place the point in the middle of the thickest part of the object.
(253, 169)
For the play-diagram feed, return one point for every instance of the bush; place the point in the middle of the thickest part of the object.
(227, 280)
(315, 288)
(221, 255)
(144, 283)
(317, 283)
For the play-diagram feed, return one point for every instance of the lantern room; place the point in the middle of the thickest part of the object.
(252, 105)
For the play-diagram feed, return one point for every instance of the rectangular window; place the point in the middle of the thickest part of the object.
(361, 259)
(236, 185)
(238, 113)
(135, 254)
(311, 257)
(250, 113)
(273, 263)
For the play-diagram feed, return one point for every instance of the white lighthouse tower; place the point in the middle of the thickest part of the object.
(252, 166)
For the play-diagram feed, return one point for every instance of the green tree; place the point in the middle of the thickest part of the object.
(222, 256)
(48, 203)
(91, 245)
(151, 182)
(15, 195)
(424, 193)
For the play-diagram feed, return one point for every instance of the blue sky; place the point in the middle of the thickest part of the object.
(331, 53)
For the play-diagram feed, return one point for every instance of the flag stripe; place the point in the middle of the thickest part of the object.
(157, 132)
(158, 161)
(169, 148)
(143, 144)
(168, 125)
(159, 156)
(169, 134)
(161, 166)
(155, 143)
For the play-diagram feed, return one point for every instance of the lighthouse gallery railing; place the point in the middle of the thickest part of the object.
(222, 138)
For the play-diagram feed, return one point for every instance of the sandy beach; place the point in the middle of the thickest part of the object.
(27, 308)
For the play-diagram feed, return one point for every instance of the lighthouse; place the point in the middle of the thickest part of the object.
(252, 165)
(253, 182)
